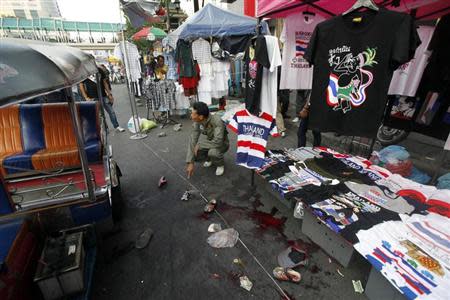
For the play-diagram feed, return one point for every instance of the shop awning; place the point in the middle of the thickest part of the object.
(423, 9)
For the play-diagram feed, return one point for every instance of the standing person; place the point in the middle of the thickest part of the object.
(213, 144)
(161, 68)
(88, 89)
(303, 116)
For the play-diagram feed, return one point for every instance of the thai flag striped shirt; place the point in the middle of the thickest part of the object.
(253, 132)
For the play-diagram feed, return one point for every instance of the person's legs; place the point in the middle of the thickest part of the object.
(300, 101)
(301, 133)
(317, 138)
(279, 120)
(284, 101)
(112, 115)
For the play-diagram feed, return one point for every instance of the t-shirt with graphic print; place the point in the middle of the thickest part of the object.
(253, 132)
(354, 57)
(256, 58)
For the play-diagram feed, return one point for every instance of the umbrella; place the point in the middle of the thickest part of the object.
(145, 32)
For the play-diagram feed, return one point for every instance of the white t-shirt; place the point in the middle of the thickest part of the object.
(406, 78)
(269, 84)
(296, 74)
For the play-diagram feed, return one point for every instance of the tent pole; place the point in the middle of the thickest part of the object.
(131, 97)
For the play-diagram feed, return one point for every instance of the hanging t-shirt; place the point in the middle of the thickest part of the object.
(269, 82)
(256, 58)
(296, 72)
(131, 61)
(253, 132)
(406, 78)
(354, 57)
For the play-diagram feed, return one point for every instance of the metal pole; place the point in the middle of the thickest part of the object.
(80, 142)
(131, 97)
(168, 15)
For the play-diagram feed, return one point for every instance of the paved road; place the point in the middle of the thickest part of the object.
(178, 263)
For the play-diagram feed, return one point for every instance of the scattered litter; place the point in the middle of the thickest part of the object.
(298, 210)
(329, 260)
(144, 238)
(292, 257)
(186, 196)
(224, 238)
(239, 262)
(339, 272)
(166, 150)
(246, 283)
(162, 181)
(214, 227)
(215, 276)
(286, 274)
(142, 281)
(177, 127)
(162, 134)
(210, 206)
(357, 286)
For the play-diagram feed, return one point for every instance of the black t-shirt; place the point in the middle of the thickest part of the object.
(354, 57)
(256, 58)
(342, 210)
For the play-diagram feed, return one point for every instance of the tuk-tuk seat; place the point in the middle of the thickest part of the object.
(60, 143)
(10, 136)
(41, 137)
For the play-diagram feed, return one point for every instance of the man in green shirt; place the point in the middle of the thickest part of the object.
(209, 136)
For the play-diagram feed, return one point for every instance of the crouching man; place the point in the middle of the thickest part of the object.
(208, 140)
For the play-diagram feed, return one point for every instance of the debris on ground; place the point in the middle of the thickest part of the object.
(215, 276)
(292, 257)
(239, 262)
(226, 238)
(177, 127)
(162, 181)
(286, 274)
(246, 283)
(162, 134)
(298, 210)
(186, 196)
(357, 286)
(166, 150)
(210, 206)
(340, 273)
(214, 227)
(329, 260)
(144, 238)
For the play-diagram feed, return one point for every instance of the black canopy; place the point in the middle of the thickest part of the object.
(31, 68)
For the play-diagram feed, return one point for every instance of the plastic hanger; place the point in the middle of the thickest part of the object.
(308, 13)
(362, 3)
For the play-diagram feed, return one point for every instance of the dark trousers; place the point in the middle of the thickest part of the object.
(301, 134)
(283, 95)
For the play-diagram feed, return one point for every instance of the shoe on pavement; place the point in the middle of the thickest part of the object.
(120, 129)
(295, 120)
(207, 164)
(220, 170)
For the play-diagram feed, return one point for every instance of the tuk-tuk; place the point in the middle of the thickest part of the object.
(53, 155)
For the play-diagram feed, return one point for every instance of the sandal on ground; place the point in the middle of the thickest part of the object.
(286, 274)
(210, 206)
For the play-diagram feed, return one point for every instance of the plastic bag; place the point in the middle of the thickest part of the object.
(131, 124)
(443, 182)
(419, 176)
(226, 238)
(394, 158)
(298, 210)
(147, 125)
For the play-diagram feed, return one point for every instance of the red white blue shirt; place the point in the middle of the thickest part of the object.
(253, 132)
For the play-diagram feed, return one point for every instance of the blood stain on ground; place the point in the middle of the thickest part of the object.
(203, 216)
(314, 269)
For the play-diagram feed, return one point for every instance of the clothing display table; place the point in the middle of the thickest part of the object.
(400, 227)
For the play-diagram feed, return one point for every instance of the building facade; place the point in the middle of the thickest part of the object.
(29, 9)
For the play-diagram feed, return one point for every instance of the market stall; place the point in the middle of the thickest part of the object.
(354, 56)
